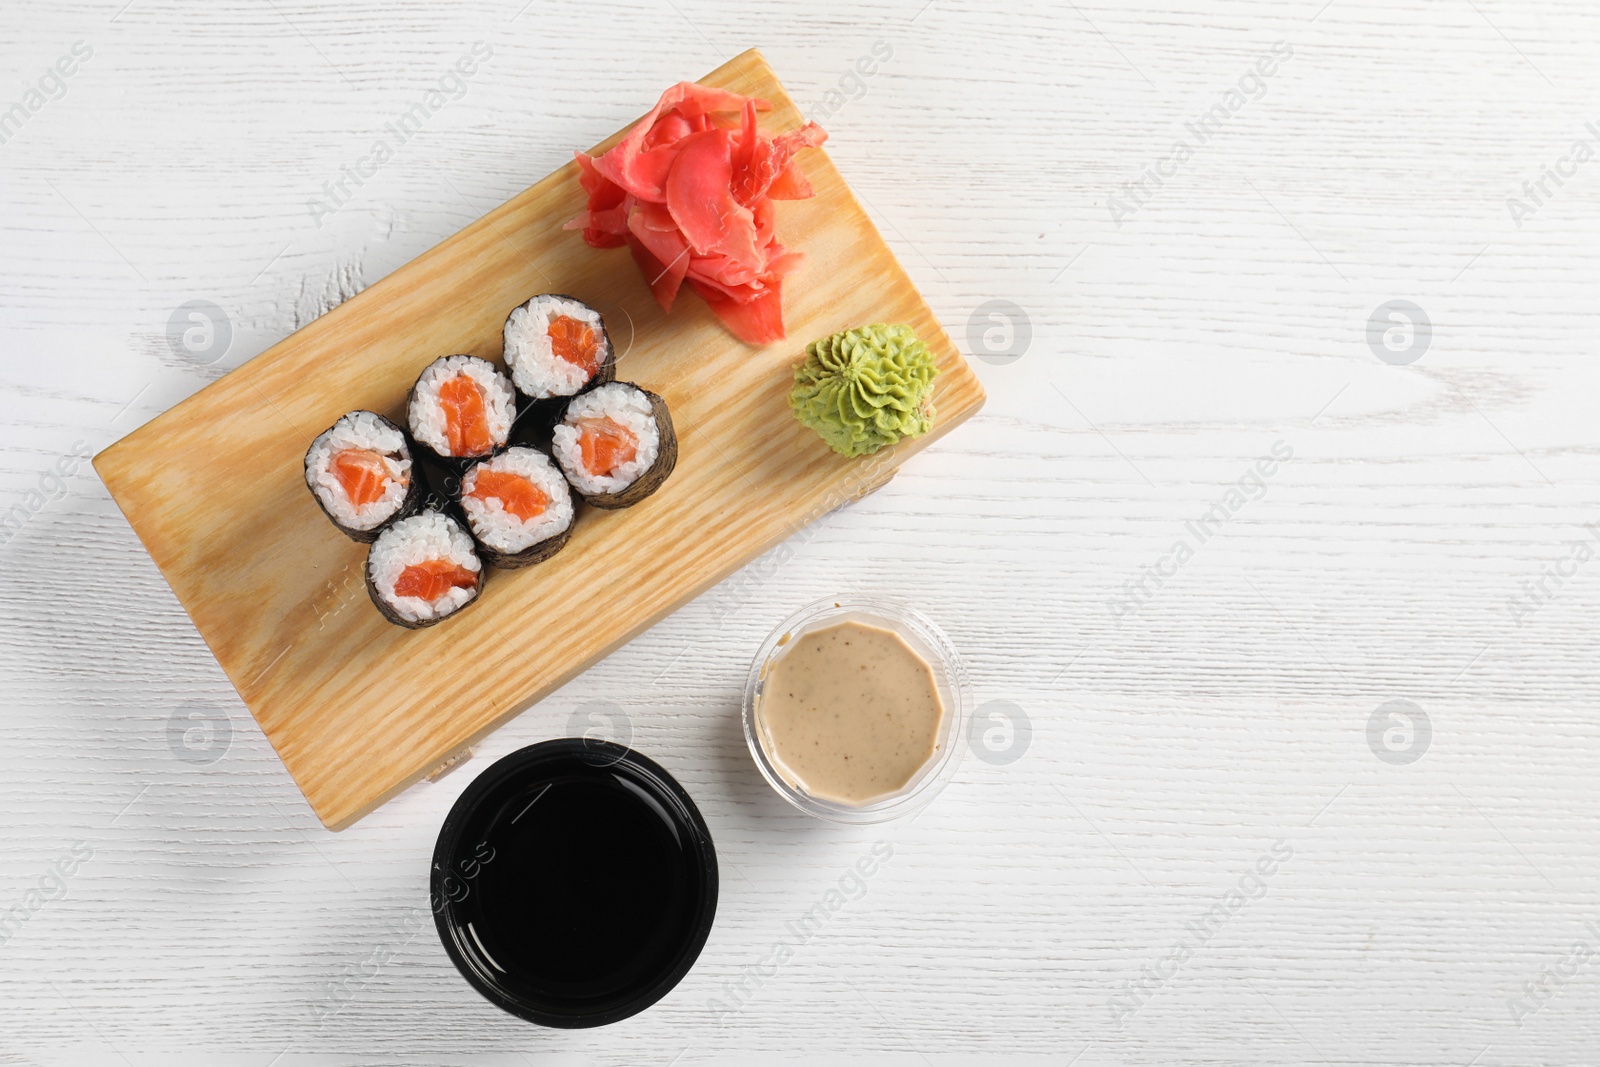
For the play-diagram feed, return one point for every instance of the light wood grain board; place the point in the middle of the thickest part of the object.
(358, 709)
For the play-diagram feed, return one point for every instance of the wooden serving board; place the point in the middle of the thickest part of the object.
(358, 709)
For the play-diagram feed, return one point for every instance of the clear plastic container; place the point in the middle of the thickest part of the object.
(950, 675)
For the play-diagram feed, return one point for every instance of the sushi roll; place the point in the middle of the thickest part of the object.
(461, 409)
(557, 346)
(361, 475)
(518, 507)
(615, 444)
(423, 569)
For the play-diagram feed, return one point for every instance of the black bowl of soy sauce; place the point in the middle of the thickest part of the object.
(574, 883)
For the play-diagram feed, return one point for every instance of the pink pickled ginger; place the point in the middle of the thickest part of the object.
(690, 194)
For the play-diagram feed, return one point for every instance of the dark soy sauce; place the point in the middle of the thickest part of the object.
(578, 886)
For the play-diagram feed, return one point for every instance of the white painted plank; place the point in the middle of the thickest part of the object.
(1170, 748)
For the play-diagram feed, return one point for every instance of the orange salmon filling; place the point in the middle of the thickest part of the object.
(363, 474)
(519, 496)
(606, 444)
(466, 417)
(432, 579)
(576, 342)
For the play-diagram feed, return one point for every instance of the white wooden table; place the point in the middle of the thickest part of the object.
(1196, 830)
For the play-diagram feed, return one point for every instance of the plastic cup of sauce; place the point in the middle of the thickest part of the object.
(574, 883)
(854, 709)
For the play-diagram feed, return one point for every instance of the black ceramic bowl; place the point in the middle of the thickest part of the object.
(574, 883)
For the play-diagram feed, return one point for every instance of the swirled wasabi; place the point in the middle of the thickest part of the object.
(865, 388)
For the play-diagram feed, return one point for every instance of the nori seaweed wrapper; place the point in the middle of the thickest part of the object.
(651, 479)
(534, 553)
(412, 503)
(389, 613)
(606, 373)
(459, 464)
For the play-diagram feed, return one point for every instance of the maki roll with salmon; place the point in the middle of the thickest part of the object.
(423, 569)
(518, 507)
(361, 475)
(557, 346)
(615, 444)
(461, 409)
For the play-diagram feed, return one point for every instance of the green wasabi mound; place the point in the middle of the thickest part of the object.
(865, 388)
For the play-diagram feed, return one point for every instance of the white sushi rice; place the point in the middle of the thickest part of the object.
(419, 539)
(364, 430)
(535, 367)
(427, 415)
(628, 406)
(497, 527)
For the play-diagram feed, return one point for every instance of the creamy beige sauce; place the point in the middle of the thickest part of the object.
(851, 712)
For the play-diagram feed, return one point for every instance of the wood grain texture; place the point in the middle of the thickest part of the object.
(359, 709)
(217, 922)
